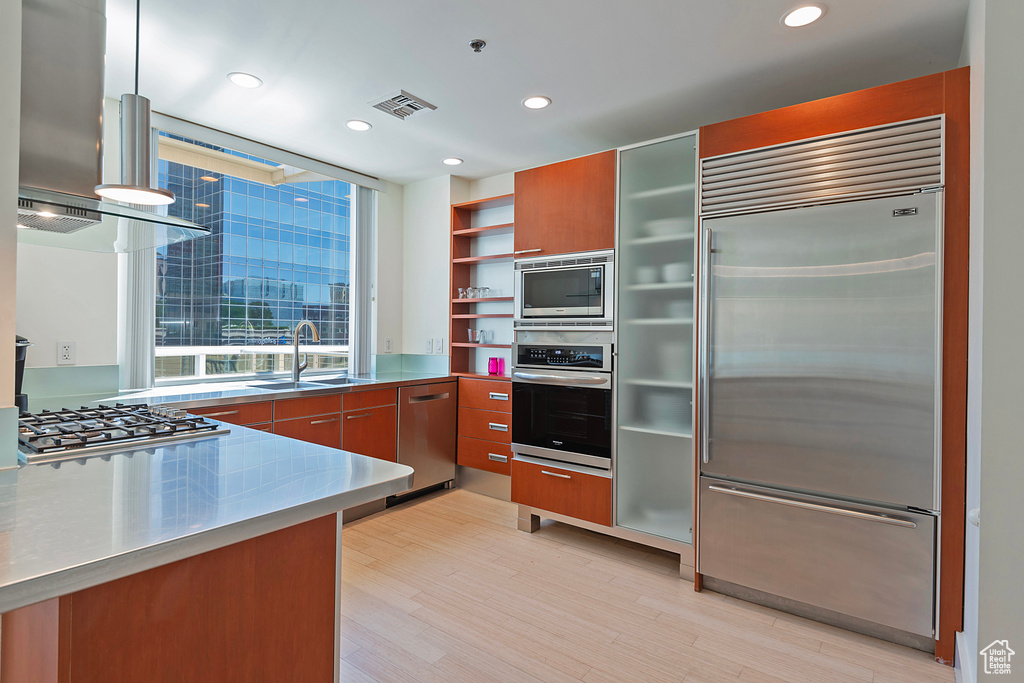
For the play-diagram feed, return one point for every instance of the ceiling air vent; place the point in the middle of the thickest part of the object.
(62, 219)
(401, 104)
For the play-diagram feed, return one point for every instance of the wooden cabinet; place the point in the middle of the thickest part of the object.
(319, 429)
(485, 424)
(238, 414)
(372, 432)
(303, 407)
(485, 395)
(370, 423)
(566, 207)
(563, 491)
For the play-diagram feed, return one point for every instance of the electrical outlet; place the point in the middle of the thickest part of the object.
(430, 346)
(66, 353)
(439, 345)
(388, 347)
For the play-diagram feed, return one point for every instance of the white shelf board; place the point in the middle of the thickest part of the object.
(661, 239)
(653, 430)
(661, 321)
(662, 191)
(666, 383)
(664, 286)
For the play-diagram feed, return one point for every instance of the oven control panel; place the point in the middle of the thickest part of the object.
(576, 356)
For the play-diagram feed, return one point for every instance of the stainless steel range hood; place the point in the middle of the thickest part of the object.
(63, 45)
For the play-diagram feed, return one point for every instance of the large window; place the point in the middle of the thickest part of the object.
(279, 252)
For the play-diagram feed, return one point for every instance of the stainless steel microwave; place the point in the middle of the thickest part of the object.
(566, 291)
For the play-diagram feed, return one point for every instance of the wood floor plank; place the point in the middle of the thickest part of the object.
(447, 589)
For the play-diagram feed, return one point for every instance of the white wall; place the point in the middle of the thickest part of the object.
(1001, 546)
(974, 56)
(387, 300)
(426, 256)
(494, 186)
(67, 295)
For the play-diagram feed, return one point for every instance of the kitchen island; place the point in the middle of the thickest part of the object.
(208, 560)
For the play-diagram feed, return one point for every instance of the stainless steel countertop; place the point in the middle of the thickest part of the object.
(231, 393)
(94, 520)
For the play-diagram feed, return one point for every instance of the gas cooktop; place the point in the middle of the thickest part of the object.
(65, 434)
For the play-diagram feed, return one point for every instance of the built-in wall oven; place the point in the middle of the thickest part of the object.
(569, 291)
(562, 402)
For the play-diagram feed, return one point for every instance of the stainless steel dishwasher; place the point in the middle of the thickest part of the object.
(427, 439)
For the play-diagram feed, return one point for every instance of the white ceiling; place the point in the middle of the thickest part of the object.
(618, 71)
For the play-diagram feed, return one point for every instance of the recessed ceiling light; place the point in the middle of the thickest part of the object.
(301, 199)
(46, 214)
(356, 124)
(536, 102)
(801, 16)
(23, 227)
(452, 161)
(204, 206)
(208, 178)
(244, 80)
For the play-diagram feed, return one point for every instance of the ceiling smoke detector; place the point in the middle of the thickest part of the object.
(401, 104)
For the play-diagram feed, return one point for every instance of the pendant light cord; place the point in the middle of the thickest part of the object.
(138, 17)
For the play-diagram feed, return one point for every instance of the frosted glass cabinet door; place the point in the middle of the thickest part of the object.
(655, 337)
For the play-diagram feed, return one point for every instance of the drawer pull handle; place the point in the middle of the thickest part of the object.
(226, 412)
(555, 474)
(497, 427)
(527, 251)
(352, 417)
(497, 458)
(495, 396)
(814, 506)
(320, 422)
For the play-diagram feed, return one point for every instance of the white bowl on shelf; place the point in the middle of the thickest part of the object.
(677, 272)
(646, 275)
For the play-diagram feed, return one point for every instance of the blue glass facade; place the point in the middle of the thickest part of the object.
(277, 254)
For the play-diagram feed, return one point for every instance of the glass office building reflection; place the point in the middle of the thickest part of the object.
(277, 254)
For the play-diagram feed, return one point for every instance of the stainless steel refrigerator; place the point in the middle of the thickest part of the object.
(821, 443)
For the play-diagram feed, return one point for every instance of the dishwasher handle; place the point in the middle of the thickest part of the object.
(429, 397)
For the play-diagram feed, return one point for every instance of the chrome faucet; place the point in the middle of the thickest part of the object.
(296, 367)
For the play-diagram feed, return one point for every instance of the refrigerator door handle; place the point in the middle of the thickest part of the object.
(867, 516)
(704, 350)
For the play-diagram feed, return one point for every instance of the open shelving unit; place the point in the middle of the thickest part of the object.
(481, 255)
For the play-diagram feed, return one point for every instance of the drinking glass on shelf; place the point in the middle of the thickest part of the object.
(471, 334)
(473, 292)
(462, 292)
(482, 292)
(481, 336)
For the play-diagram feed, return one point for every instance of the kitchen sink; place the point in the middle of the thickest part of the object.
(278, 386)
(339, 381)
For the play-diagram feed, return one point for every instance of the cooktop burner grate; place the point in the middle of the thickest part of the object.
(68, 433)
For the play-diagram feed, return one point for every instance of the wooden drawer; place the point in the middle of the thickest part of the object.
(303, 407)
(238, 414)
(485, 424)
(567, 492)
(485, 394)
(369, 398)
(320, 429)
(372, 432)
(485, 455)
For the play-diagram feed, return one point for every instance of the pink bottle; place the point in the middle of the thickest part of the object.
(492, 365)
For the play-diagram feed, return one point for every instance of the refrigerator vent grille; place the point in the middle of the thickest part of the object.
(559, 263)
(561, 324)
(891, 159)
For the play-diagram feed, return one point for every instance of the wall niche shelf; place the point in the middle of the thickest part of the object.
(482, 236)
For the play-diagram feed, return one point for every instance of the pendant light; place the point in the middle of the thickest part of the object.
(135, 187)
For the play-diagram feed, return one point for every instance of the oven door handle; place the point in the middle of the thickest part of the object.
(575, 380)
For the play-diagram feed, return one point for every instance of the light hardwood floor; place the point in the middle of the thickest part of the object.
(447, 589)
